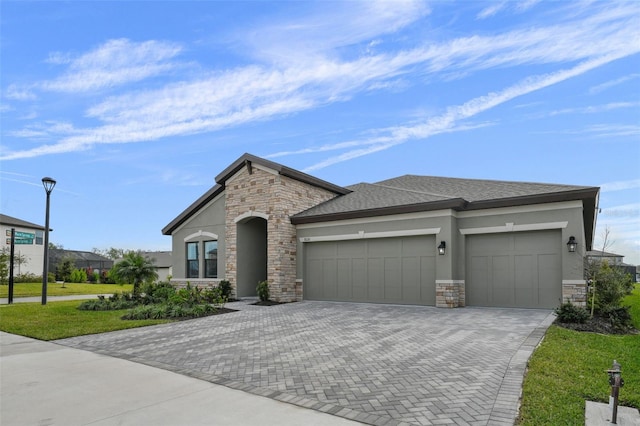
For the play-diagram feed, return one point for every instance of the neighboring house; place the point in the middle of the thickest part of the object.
(162, 262)
(612, 259)
(503, 243)
(89, 261)
(28, 243)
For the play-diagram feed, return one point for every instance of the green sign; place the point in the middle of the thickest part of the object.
(24, 236)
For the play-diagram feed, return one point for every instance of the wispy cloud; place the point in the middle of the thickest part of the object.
(611, 83)
(232, 97)
(113, 63)
(620, 185)
(596, 108)
(492, 10)
(453, 115)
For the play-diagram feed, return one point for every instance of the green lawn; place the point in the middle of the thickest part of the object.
(569, 368)
(58, 320)
(54, 289)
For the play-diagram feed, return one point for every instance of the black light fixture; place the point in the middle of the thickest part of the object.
(442, 248)
(48, 184)
(572, 244)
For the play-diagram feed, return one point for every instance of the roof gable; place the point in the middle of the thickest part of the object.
(248, 161)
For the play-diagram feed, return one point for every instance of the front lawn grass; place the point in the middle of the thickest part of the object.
(55, 289)
(569, 367)
(59, 320)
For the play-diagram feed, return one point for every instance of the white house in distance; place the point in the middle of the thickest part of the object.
(29, 242)
(425, 240)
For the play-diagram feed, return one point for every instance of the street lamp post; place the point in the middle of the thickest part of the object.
(48, 184)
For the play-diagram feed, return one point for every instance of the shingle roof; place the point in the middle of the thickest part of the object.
(418, 193)
(12, 221)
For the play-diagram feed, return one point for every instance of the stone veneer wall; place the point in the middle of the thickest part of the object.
(575, 291)
(195, 282)
(279, 197)
(450, 294)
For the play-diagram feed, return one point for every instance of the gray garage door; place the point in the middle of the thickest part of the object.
(520, 269)
(384, 270)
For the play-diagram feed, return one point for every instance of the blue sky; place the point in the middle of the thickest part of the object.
(135, 107)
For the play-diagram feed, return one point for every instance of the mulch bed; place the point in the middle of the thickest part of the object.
(595, 325)
(268, 303)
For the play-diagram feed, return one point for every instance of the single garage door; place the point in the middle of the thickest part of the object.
(381, 270)
(520, 269)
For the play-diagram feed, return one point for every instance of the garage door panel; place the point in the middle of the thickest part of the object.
(359, 279)
(375, 274)
(525, 279)
(393, 270)
(411, 278)
(392, 280)
(548, 268)
(520, 269)
(344, 278)
(330, 279)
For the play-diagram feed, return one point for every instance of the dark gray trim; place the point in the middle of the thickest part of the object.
(247, 159)
(453, 203)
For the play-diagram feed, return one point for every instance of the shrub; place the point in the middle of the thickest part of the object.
(619, 317)
(569, 313)
(225, 289)
(78, 276)
(93, 277)
(29, 278)
(612, 284)
(263, 290)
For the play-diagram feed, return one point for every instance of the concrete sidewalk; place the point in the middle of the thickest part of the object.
(38, 299)
(44, 383)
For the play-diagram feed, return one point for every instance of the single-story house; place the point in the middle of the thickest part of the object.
(162, 261)
(87, 260)
(446, 242)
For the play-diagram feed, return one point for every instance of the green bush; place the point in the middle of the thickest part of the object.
(28, 278)
(569, 313)
(263, 290)
(612, 284)
(225, 289)
(619, 317)
(78, 276)
(112, 303)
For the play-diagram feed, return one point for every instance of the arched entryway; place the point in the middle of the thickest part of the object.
(251, 254)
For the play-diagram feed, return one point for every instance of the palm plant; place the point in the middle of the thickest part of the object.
(134, 268)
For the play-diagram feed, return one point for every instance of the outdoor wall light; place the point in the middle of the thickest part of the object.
(442, 247)
(572, 244)
(48, 184)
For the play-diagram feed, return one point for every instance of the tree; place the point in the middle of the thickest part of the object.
(64, 269)
(112, 253)
(594, 267)
(5, 258)
(134, 269)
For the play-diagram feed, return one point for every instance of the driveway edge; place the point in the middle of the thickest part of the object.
(503, 412)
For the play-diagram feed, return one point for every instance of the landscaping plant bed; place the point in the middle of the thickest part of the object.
(268, 303)
(596, 325)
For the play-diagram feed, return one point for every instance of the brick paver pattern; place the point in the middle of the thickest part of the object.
(378, 364)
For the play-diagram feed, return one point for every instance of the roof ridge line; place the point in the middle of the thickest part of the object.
(412, 190)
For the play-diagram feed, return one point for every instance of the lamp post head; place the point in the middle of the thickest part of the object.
(48, 184)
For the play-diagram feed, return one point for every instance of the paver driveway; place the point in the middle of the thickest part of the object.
(379, 364)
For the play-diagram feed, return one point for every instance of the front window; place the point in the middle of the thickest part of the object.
(39, 235)
(211, 259)
(193, 270)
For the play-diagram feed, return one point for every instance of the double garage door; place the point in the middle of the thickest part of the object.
(520, 269)
(382, 270)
